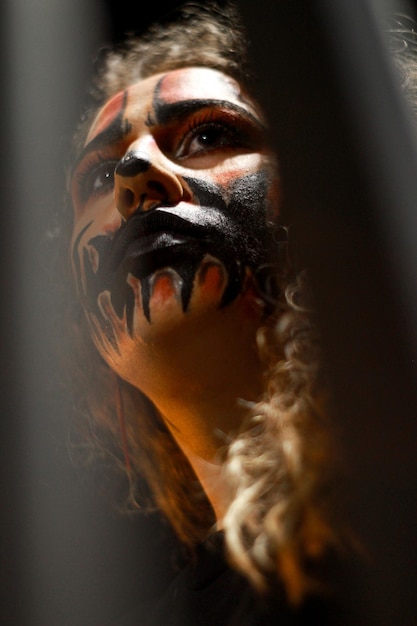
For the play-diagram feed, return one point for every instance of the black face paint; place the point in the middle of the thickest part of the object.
(236, 232)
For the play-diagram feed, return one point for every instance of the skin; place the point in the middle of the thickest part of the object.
(175, 198)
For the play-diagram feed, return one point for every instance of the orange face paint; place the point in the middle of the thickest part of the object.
(212, 280)
(108, 114)
(163, 288)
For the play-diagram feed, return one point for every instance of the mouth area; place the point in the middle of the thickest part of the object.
(152, 243)
(177, 239)
(158, 230)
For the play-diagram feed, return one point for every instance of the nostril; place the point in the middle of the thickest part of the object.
(127, 199)
(154, 185)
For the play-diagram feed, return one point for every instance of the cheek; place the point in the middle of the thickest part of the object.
(273, 201)
(273, 195)
(101, 218)
(231, 170)
(101, 215)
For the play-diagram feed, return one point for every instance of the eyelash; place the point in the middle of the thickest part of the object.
(207, 119)
(229, 136)
(232, 135)
(91, 167)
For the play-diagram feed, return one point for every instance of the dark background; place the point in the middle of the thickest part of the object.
(67, 556)
(67, 559)
(122, 17)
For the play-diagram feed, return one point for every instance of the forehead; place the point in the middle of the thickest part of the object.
(183, 84)
(192, 82)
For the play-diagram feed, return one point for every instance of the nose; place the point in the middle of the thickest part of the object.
(142, 184)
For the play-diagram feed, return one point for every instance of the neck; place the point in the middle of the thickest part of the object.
(197, 378)
(211, 478)
(205, 418)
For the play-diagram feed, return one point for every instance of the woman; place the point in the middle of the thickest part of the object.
(195, 347)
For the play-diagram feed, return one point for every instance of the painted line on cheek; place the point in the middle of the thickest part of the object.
(76, 256)
(212, 279)
(163, 288)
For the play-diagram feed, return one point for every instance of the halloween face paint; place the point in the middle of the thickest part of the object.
(175, 200)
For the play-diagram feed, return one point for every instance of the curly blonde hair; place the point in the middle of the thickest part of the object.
(286, 465)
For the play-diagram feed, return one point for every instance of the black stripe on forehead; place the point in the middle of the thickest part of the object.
(171, 112)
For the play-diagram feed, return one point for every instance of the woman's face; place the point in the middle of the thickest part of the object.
(175, 197)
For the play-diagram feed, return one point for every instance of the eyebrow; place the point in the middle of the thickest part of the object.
(167, 113)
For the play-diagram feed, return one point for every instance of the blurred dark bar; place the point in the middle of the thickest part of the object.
(67, 558)
(346, 142)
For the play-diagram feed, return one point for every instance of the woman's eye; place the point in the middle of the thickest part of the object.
(209, 137)
(97, 179)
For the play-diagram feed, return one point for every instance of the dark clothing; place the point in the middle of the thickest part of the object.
(208, 592)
